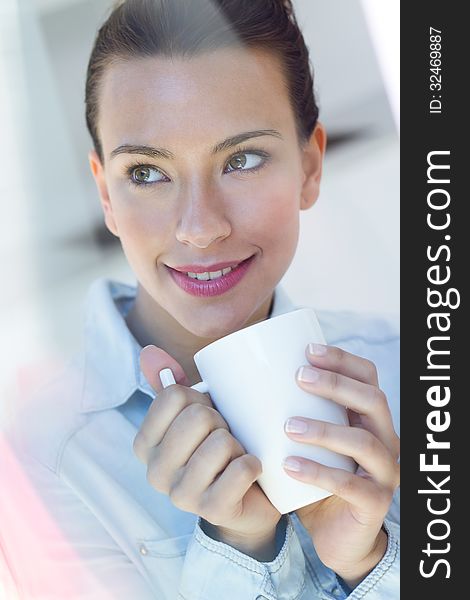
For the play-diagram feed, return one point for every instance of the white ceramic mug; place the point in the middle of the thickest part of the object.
(250, 376)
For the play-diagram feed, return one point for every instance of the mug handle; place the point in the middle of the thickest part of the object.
(167, 378)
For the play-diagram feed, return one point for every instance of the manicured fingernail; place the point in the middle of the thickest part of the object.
(167, 377)
(291, 464)
(317, 349)
(296, 426)
(308, 374)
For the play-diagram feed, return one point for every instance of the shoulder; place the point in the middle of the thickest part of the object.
(345, 325)
(371, 336)
(41, 424)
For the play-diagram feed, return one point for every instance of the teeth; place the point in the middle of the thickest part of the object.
(210, 275)
(215, 274)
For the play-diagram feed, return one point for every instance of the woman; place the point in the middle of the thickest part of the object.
(206, 146)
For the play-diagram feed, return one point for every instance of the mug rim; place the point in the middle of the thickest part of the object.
(263, 323)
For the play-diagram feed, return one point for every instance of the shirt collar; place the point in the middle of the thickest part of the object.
(112, 368)
(282, 303)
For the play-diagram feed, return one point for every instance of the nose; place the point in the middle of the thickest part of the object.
(203, 219)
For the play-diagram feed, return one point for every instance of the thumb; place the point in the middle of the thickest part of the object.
(153, 360)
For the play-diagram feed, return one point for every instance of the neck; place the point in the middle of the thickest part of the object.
(149, 323)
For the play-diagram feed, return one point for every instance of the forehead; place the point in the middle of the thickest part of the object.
(171, 98)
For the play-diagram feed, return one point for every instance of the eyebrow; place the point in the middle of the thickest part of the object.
(220, 147)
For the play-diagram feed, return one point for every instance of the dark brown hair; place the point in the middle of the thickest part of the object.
(141, 28)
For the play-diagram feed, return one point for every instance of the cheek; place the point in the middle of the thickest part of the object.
(139, 221)
(275, 216)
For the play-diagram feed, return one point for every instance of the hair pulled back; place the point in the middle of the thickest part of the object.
(143, 28)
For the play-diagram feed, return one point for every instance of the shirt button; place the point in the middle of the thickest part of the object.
(337, 592)
(143, 550)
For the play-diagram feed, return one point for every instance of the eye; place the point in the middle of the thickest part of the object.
(144, 175)
(246, 161)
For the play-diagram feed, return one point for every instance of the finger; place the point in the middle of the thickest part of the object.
(153, 360)
(361, 445)
(162, 412)
(361, 492)
(235, 481)
(185, 434)
(342, 362)
(203, 468)
(366, 400)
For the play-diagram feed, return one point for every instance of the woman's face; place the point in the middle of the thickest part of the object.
(202, 171)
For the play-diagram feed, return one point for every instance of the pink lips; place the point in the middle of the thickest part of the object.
(214, 287)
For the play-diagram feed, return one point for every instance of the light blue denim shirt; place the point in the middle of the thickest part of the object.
(89, 524)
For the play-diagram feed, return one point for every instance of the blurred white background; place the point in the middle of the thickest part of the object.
(52, 241)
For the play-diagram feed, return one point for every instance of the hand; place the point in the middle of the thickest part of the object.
(192, 456)
(346, 528)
